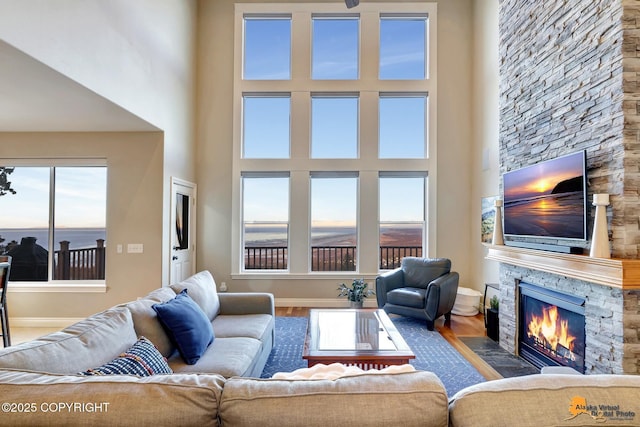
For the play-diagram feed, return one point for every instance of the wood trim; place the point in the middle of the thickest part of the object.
(365, 359)
(613, 272)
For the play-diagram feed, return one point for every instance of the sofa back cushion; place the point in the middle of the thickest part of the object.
(145, 319)
(115, 400)
(202, 289)
(549, 400)
(419, 272)
(406, 399)
(91, 342)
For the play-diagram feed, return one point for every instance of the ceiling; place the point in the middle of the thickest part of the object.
(36, 98)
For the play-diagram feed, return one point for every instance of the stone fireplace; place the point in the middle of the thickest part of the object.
(610, 289)
(551, 327)
(569, 81)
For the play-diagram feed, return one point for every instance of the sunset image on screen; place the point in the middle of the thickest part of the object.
(546, 199)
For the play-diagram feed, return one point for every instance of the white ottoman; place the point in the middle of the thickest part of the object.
(467, 302)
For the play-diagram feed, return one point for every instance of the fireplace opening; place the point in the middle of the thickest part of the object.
(551, 328)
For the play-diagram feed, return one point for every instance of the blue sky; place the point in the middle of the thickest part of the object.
(80, 201)
(334, 119)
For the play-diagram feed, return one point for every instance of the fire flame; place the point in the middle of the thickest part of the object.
(551, 330)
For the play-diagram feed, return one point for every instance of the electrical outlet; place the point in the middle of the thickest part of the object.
(119, 248)
(223, 287)
(135, 248)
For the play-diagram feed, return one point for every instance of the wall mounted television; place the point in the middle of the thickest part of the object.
(547, 199)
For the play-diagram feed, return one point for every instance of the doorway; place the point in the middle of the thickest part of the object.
(183, 230)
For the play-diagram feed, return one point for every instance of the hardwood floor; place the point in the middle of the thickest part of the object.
(460, 326)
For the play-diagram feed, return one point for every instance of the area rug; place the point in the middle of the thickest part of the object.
(433, 352)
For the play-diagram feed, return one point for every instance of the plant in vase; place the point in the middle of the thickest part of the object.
(356, 293)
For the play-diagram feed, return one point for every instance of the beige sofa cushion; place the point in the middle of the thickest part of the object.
(122, 400)
(89, 343)
(233, 356)
(549, 400)
(145, 319)
(258, 326)
(406, 399)
(202, 289)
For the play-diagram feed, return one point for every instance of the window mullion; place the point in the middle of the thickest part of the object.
(52, 208)
(369, 44)
(300, 42)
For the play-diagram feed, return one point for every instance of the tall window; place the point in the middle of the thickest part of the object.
(331, 109)
(334, 222)
(53, 222)
(265, 210)
(401, 230)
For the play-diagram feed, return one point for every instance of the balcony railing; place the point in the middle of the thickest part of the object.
(79, 264)
(391, 256)
(324, 258)
(265, 257)
(333, 258)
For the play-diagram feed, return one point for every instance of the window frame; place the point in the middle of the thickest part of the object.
(425, 220)
(91, 286)
(258, 175)
(300, 165)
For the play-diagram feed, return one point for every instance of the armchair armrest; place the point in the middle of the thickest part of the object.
(441, 295)
(247, 303)
(387, 282)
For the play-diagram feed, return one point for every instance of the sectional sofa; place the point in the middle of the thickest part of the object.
(52, 380)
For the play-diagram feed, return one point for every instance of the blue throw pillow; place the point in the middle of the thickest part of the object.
(142, 359)
(187, 326)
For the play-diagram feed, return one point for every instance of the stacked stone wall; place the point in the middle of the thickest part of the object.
(561, 90)
(569, 81)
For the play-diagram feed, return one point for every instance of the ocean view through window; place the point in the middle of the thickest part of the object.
(349, 119)
(74, 199)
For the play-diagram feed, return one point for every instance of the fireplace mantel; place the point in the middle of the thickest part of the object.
(614, 272)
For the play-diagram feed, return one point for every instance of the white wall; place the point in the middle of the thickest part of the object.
(140, 55)
(485, 158)
(215, 136)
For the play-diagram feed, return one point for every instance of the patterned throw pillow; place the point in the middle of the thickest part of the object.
(142, 359)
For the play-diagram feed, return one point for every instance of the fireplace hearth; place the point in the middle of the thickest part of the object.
(551, 329)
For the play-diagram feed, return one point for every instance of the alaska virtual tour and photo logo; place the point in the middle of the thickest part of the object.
(598, 412)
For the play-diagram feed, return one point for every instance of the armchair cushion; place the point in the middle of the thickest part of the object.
(419, 272)
(408, 297)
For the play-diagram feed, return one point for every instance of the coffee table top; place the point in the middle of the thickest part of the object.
(352, 333)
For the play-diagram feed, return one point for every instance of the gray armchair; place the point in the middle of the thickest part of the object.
(422, 288)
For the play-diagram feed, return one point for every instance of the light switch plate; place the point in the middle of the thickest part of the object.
(135, 248)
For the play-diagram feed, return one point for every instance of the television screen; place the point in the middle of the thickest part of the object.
(547, 199)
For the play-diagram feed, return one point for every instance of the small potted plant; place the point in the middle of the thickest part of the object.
(356, 293)
(491, 318)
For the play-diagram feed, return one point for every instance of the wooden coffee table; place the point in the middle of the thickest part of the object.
(365, 338)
